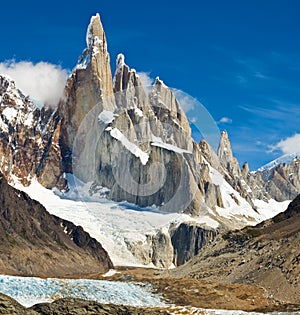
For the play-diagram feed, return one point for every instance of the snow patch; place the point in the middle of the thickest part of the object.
(110, 273)
(134, 149)
(10, 113)
(238, 209)
(138, 112)
(106, 117)
(158, 142)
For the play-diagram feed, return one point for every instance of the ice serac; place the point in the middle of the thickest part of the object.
(90, 84)
(29, 142)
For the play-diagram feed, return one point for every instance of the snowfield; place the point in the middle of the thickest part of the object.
(112, 224)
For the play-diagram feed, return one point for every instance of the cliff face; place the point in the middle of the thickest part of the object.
(137, 145)
(89, 85)
(188, 240)
(33, 242)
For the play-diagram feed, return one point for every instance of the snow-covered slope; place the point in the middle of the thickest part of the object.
(120, 227)
(116, 224)
(238, 210)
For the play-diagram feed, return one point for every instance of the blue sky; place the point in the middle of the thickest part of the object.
(240, 59)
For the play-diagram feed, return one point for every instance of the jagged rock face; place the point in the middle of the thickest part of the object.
(283, 181)
(188, 239)
(140, 147)
(225, 155)
(29, 139)
(89, 85)
(33, 242)
(174, 246)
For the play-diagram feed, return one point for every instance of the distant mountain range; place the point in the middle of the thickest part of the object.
(284, 159)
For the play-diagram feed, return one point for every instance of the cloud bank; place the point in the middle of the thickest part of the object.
(289, 145)
(43, 82)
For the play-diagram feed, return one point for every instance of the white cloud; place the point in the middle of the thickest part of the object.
(146, 80)
(288, 145)
(43, 82)
(225, 120)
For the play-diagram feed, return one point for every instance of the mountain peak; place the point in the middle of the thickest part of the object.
(120, 61)
(224, 134)
(224, 150)
(158, 81)
(95, 35)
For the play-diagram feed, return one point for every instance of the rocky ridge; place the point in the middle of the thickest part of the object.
(29, 139)
(266, 255)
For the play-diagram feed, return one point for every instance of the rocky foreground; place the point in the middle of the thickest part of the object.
(34, 242)
(253, 269)
(72, 306)
(266, 255)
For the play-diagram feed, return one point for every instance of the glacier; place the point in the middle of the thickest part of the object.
(29, 291)
(115, 224)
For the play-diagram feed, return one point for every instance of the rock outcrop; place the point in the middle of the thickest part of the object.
(188, 239)
(78, 307)
(33, 242)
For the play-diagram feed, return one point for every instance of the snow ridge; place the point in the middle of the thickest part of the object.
(285, 159)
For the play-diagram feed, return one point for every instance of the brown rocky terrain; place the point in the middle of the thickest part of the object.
(266, 255)
(33, 242)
